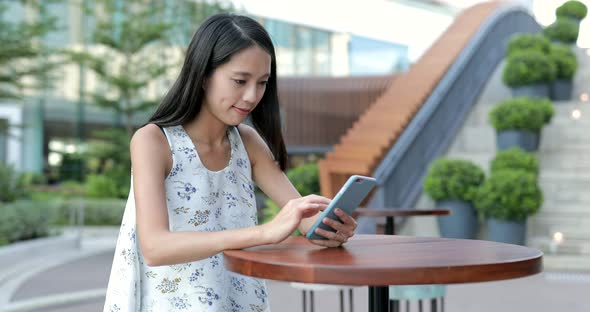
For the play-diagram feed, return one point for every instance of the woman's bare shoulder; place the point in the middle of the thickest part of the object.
(149, 141)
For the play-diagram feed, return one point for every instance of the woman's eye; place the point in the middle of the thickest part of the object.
(263, 83)
(240, 81)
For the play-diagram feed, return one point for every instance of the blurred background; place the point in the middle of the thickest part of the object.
(78, 77)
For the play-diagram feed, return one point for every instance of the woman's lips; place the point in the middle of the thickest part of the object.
(242, 111)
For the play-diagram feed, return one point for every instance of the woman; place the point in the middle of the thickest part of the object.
(193, 167)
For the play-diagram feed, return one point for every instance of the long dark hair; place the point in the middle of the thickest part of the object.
(216, 40)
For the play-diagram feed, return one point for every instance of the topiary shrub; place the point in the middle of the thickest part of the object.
(565, 61)
(527, 68)
(509, 195)
(528, 42)
(572, 9)
(521, 113)
(515, 159)
(563, 31)
(453, 179)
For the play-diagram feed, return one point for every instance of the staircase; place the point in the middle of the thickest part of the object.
(564, 157)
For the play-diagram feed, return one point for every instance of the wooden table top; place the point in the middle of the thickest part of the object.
(380, 260)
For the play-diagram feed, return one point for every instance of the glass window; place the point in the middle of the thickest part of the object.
(369, 56)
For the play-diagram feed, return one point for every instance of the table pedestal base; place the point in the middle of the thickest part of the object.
(378, 298)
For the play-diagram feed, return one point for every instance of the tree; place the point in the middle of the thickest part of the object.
(126, 54)
(120, 54)
(126, 48)
(23, 54)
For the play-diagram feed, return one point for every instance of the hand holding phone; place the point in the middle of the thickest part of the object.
(347, 199)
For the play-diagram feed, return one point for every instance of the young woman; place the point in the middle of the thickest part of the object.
(193, 167)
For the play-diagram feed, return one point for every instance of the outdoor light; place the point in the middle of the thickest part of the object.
(588, 52)
(56, 146)
(557, 240)
(584, 97)
(54, 159)
(70, 148)
(576, 114)
(558, 237)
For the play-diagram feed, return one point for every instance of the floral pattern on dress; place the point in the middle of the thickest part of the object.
(200, 218)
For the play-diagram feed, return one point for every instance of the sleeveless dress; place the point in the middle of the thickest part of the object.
(197, 200)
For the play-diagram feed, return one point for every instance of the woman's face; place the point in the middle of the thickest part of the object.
(235, 88)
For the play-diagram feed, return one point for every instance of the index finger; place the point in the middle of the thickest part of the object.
(318, 198)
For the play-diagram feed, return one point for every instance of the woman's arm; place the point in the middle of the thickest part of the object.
(151, 162)
(274, 183)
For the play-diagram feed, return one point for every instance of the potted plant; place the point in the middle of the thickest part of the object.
(566, 64)
(528, 73)
(506, 199)
(562, 31)
(453, 183)
(574, 10)
(515, 159)
(528, 42)
(518, 122)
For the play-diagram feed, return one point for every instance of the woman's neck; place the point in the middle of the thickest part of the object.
(206, 129)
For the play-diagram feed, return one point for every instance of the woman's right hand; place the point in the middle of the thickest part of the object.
(289, 217)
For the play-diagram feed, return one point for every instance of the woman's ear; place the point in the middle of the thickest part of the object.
(204, 85)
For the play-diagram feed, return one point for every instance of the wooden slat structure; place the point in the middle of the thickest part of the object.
(317, 111)
(366, 143)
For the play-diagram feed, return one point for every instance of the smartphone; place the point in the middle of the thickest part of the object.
(348, 198)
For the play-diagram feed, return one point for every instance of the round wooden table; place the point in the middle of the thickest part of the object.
(381, 260)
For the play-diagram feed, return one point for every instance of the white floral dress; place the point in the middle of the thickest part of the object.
(198, 200)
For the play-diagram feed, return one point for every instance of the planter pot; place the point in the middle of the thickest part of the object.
(461, 223)
(505, 231)
(561, 90)
(537, 141)
(527, 140)
(540, 90)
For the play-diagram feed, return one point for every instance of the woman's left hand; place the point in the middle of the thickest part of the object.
(344, 230)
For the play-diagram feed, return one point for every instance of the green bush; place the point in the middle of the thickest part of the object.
(509, 195)
(453, 179)
(515, 159)
(528, 42)
(97, 211)
(305, 178)
(100, 186)
(563, 31)
(572, 9)
(25, 219)
(565, 61)
(109, 156)
(12, 184)
(528, 67)
(521, 113)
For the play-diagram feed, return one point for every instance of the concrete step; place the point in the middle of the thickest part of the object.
(563, 162)
(575, 208)
(479, 115)
(569, 232)
(548, 222)
(566, 262)
(565, 149)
